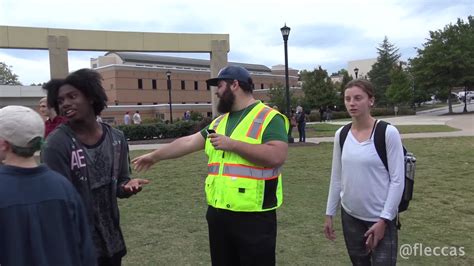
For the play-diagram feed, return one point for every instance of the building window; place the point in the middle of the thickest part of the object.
(183, 102)
(209, 114)
(208, 87)
(140, 83)
(196, 102)
(183, 85)
(94, 65)
(262, 86)
(153, 84)
(155, 103)
(139, 103)
(196, 85)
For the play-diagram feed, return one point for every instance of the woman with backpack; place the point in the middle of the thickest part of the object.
(369, 194)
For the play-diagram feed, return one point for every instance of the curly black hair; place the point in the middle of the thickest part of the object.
(51, 85)
(87, 81)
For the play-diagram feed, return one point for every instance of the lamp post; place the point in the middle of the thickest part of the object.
(285, 32)
(356, 71)
(168, 74)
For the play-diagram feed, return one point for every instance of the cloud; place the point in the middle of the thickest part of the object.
(323, 32)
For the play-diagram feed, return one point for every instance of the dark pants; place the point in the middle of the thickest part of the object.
(302, 131)
(115, 260)
(242, 238)
(384, 254)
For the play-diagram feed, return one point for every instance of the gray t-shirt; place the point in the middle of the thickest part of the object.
(105, 228)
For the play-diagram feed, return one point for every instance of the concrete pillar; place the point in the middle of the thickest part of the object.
(218, 61)
(58, 60)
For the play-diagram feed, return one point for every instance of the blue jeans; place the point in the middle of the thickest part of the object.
(384, 254)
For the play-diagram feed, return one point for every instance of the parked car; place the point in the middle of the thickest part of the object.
(469, 95)
(432, 101)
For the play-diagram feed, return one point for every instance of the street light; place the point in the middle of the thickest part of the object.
(356, 71)
(168, 74)
(285, 32)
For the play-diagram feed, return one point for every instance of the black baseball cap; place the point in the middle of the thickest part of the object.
(231, 72)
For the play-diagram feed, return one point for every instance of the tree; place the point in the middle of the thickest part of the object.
(277, 97)
(400, 90)
(380, 73)
(345, 79)
(7, 77)
(446, 60)
(318, 88)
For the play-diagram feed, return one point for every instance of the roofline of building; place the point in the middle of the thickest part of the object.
(125, 66)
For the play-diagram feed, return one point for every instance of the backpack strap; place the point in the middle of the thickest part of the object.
(379, 141)
(343, 134)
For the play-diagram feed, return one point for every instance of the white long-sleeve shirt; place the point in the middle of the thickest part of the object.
(360, 181)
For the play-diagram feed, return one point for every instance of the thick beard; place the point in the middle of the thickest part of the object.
(226, 101)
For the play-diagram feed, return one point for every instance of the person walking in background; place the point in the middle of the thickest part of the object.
(293, 122)
(301, 120)
(126, 118)
(137, 119)
(42, 217)
(369, 195)
(94, 157)
(321, 114)
(187, 115)
(328, 113)
(246, 147)
(53, 120)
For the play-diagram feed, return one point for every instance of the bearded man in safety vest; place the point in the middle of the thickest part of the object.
(247, 146)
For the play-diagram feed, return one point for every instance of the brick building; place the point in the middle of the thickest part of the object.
(137, 81)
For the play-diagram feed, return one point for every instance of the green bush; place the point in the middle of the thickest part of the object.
(161, 130)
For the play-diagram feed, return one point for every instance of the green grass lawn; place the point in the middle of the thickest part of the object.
(165, 224)
(328, 130)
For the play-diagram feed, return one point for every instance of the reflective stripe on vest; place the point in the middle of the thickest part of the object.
(257, 124)
(218, 120)
(252, 172)
(213, 168)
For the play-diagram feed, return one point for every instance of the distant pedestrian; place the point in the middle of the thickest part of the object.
(187, 115)
(137, 119)
(301, 120)
(126, 118)
(321, 114)
(53, 120)
(328, 113)
(395, 110)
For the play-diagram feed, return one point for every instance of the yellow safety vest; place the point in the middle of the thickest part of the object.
(235, 184)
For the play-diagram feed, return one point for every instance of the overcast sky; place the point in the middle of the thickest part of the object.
(323, 32)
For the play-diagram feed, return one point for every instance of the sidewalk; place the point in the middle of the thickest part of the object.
(464, 122)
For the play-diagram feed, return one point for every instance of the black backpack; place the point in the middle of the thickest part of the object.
(380, 146)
